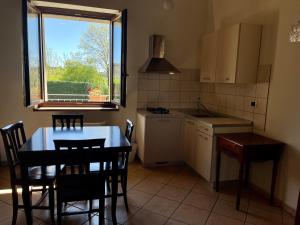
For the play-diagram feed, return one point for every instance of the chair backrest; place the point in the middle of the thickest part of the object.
(67, 120)
(128, 134)
(13, 138)
(85, 152)
(129, 130)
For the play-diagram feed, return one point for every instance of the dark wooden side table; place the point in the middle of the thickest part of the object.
(247, 147)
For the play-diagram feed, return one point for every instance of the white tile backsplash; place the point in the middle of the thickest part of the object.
(249, 90)
(261, 106)
(247, 104)
(259, 121)
(262, 90)
(171, 91)
(183, 90)
(235, 99)
(164, 85)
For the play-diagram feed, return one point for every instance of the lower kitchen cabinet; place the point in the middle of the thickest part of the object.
(197, 148)
(158, 138)
(189, 136)
(203, 154)
(198, 145)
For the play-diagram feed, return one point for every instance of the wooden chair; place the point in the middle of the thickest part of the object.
(13, 138)
(67, 120)
(83, 185)
(122, 165)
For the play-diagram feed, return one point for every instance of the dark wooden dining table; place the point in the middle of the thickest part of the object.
(39, 150)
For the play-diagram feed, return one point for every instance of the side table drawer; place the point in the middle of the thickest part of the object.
(229, 146)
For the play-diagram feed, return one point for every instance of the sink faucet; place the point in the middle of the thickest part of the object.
(202, 107)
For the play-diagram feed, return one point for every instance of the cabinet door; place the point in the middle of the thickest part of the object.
(203, 155)
(208, 58)
(189, 141)
(228, 42)
(162, 139)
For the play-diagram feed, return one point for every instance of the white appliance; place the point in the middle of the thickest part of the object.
(158, 138)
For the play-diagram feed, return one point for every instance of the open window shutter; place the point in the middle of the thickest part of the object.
(32, 67)
(119, 50)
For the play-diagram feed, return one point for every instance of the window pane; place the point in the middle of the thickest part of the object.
(117, 57)
(34, 56)
(77, 59)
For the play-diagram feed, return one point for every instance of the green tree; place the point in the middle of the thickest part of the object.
(95, 46)
(76, 71)
(53, 65)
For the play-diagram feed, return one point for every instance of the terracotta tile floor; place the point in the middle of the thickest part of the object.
(173, 195)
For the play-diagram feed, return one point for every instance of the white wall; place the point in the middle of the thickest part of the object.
(283, 121)
(183, 27)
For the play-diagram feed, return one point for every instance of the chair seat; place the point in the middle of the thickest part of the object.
(38, 175)
(94, 167)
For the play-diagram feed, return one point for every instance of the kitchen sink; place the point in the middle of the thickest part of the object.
(202, 115)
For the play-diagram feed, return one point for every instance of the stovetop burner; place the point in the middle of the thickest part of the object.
(158, 110)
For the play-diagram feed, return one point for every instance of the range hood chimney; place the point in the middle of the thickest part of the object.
(156, 63)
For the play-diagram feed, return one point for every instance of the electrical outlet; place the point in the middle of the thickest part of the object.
(253, 104)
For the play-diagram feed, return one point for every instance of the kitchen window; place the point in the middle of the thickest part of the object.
(74, 56)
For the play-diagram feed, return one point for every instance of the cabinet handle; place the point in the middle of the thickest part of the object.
(206, 78)
(227, 78)
(204, 128)
(205, 138)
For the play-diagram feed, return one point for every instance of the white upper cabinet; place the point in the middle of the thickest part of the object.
(231, 55)
(238, 53)
(208, 58)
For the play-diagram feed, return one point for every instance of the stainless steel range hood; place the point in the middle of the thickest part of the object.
(156, 63)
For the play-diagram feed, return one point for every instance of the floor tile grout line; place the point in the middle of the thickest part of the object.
(155, 195)
(211, 211)
(247, 211)
(181, 203)
(142, 207)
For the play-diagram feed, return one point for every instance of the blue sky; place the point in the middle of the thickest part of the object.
(63, 36)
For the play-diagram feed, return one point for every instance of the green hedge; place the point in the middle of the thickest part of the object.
(60, 88)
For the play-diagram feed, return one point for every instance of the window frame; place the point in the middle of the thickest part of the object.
(123, 63)
(41, 105)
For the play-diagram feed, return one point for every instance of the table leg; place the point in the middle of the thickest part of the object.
(240, 186)
(247, 173)
(274, 176)
(114, 195)
(218, 165)
(26, 196)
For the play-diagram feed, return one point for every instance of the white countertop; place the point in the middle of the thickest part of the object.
(224, 121)
(153, 115)
(220, 121)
